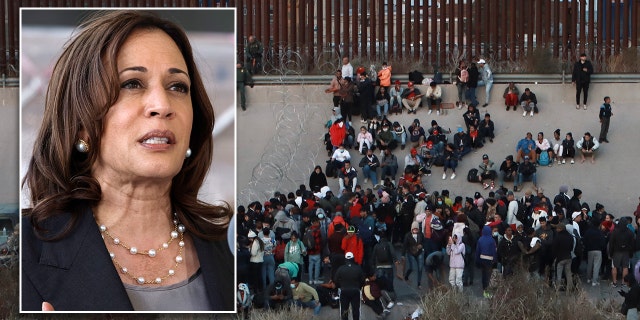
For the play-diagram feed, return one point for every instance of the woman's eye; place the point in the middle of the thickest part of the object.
(131, 84)
(179, 87)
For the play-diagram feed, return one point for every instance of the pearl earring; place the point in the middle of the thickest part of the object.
(188, 153)
(82, 146)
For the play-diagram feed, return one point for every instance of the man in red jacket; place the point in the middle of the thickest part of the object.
(352, 243)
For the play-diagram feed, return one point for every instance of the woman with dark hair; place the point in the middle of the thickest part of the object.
(114, 220)
(317, 180)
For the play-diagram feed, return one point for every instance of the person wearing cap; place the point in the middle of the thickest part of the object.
(416, 134)
(411, 98)
(349, 279)
(462, 76)
(526, 171)
(434, 97)
(581, 77)
(462, 143)
(543, 145)
(395, 94)
(353, 244)
(471, 116)
(486, 128)
(487, 80)
(278, 295)
(511, 95)
(508, 171)
(413, 250)
(413, 160)
(528, 101)
(562, 250)
(588, 146)
(366, 94)
(526, 146)
(574, 204)
(487, 171)
(605, 117)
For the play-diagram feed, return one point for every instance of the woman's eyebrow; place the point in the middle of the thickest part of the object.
(144, 69)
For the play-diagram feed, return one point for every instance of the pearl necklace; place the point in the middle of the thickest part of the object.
(178, 230)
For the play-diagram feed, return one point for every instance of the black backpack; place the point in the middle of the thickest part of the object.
(365, 233)
(416, 77)
(382, 253)
(472, 176)
(521, 214)
(309, 240)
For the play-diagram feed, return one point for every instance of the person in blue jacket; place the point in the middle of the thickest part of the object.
(486, 256)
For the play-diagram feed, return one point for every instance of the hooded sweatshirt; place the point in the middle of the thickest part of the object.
(284, 222)
(486, 246)
(456, 253)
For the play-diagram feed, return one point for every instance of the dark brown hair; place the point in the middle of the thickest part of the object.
(84, 85)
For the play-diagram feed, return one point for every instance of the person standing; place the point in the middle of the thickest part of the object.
(384, 75)
(487, 81)
(335, 88)
(581, 77)
(349, 279)
(605, 117)
(347, 68)
(253, 54)
(486, 256)
(243, 78)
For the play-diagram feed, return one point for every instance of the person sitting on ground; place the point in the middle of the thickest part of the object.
(413, 159)
(411, 98)
(382, 102)
(451, 158)
(528, 101)
(399, 134)
(278, 296)
(364, 138)
(348, 177)
(486, 128)
(389, 165)
(338, 133)
(568, 148)
(385, 139)
(476, 139)
(511, 94)
(462, 143)
(416, 133)
(434, 97)
(542, 145)
(305, 296)
(373, 296)
(526, 146)
(487, 171)
(508, 171)
(339, 156)
(370, 165)
(557, 146)
(588, 146)
(395, 93)
(471, 117)
(526, 171)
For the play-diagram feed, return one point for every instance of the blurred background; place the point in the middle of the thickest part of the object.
(212, 34)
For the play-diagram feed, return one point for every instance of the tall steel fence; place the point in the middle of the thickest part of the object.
(310, 33)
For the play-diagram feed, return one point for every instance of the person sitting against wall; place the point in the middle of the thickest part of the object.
(511, 94)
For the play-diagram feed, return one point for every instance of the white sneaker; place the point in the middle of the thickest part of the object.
(572, 162)
(429, 111)
(366, 179)
(584, 107)
(438, 113)
(444, 176)
(453, 176)
(390, 305)
(577, 106)
(564, 161)
(531, 114)
(559, 162)
(524, 114)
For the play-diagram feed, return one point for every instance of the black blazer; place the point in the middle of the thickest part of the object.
(76, 273)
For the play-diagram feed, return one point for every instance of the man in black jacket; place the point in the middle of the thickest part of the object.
(562, 248)
(620, 249)
(581, 77)
(349, 278)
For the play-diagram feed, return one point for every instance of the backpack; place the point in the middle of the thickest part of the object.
(382, 253)
(544, 159)
(309, 240)
(365, 233)
(578, 249)
(416, 76)
(521, 214)
(278, 251)
(472, 176)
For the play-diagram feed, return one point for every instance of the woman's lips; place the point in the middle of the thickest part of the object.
(158, 139)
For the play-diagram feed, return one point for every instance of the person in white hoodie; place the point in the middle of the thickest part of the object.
(456, 251)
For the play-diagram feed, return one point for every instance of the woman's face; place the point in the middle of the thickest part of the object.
(146, 132)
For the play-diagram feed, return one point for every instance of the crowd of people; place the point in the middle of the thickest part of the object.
(356, 236)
